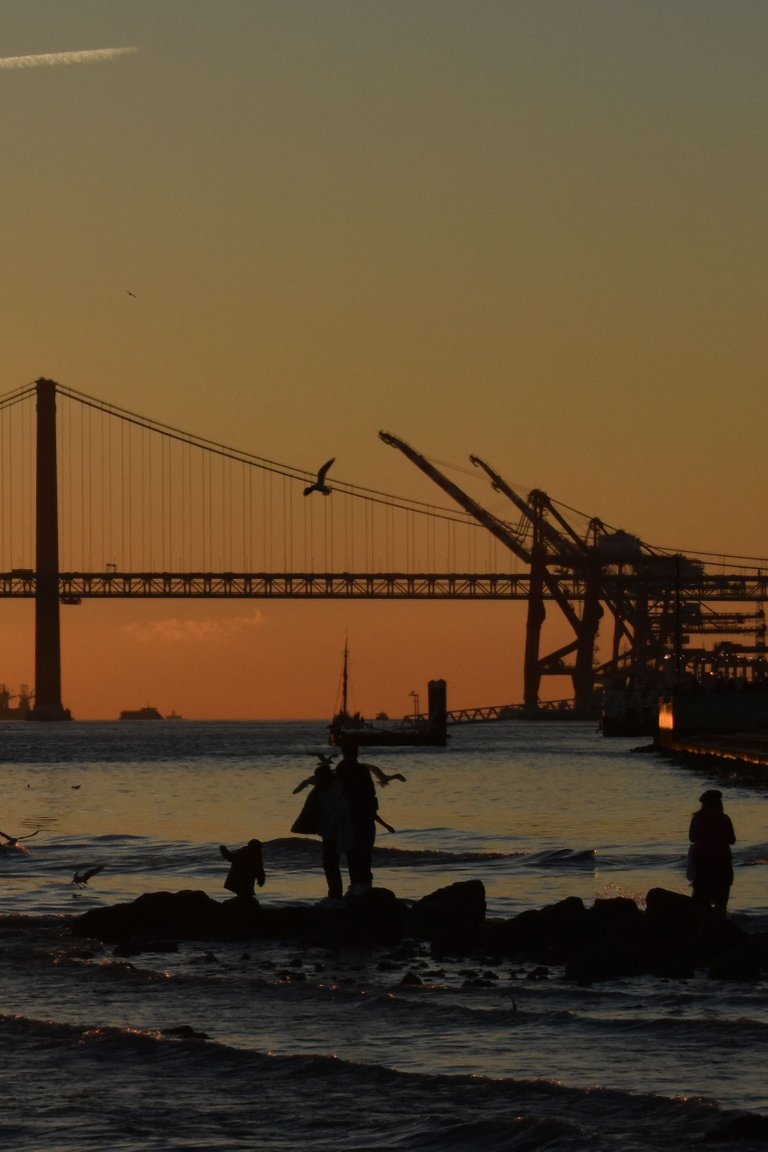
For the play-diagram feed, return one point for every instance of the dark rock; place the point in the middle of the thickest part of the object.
(451, 918)
(615, 938)
(619, 911)
(540, 972)
(680, 930)
(549, 935)
(378, 917)
(739, 964)
(604, 960)
(186, 915)
(746, 1126)
(613, 943)
(673, 968)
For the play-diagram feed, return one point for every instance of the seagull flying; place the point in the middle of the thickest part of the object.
(82, 878)
(320, 484)
(324, 760)
(14, 840)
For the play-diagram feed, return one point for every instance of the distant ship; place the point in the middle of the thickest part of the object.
(18, 711)
(146, 713)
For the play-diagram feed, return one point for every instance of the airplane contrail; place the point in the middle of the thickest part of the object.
(51, 59)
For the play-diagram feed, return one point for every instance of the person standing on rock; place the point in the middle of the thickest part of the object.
(357, 781)
(326, 814)
(711, 835)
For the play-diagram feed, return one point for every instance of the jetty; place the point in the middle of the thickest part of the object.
(725, 730)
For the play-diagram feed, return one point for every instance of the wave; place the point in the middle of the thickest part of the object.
(295, 851)
(119, 1087)
(300, 849)
(558, 857)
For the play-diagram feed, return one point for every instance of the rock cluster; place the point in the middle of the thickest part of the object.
(671, 937)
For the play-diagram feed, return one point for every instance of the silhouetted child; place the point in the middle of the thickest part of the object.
(247, 868)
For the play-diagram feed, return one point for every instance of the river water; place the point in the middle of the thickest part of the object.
(268, 1046)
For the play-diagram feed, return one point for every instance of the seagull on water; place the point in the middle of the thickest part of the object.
(82, 878)
(320, 484)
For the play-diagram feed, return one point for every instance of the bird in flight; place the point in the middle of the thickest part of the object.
(13, 841)
(324, 760)
(320, 484)
(128, 291)
(82, 878)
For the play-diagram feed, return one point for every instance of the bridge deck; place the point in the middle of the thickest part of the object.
(75, 586)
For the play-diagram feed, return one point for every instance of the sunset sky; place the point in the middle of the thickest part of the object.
(532, 231)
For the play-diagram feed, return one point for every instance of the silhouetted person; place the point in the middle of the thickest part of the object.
(360, 791)
(711, 835)
(247, 869)
(326, 813)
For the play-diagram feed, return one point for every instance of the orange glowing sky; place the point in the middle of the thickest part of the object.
(531, 231)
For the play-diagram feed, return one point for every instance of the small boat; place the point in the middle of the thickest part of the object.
(413, 730)
(146, 713)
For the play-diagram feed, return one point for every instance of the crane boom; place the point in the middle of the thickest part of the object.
(541, 577)
(497, 527)
(562, 544)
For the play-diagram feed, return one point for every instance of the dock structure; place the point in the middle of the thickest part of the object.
(547, 710)
(724, 750)
(726, 725)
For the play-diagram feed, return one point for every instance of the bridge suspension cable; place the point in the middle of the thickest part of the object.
(140, 495)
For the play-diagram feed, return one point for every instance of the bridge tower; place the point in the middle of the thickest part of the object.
(48, 705)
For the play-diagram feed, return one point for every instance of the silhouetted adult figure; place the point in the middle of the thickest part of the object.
(711, 835)
(360, 791)
(247, 869)
(326, 814)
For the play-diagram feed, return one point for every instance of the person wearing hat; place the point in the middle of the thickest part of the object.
(711, 835)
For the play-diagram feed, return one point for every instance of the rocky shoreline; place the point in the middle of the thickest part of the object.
(671, 937)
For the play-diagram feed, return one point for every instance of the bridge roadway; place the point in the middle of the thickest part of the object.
(74, 586)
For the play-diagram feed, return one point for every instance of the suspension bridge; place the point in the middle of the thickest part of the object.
(97, 502)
